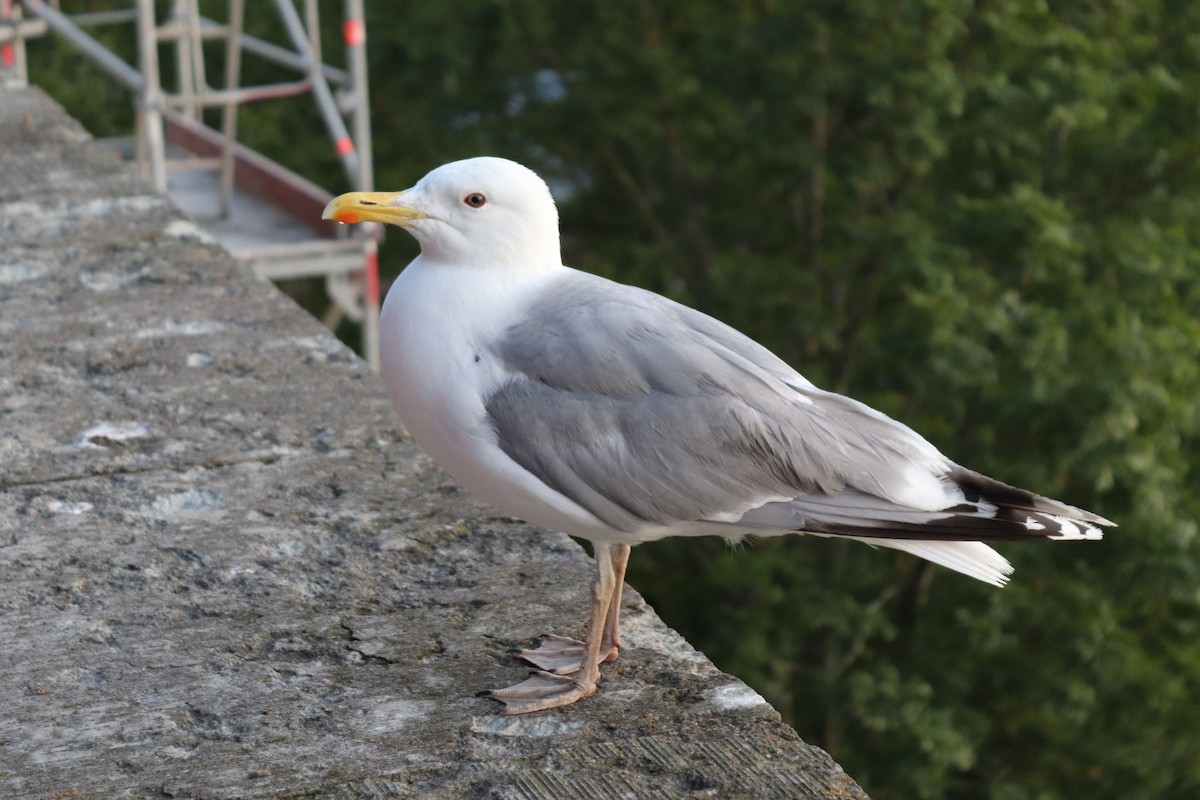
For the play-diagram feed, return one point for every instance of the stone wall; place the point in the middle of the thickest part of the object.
(226, 572)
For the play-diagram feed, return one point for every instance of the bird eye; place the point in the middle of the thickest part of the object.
(475, 200)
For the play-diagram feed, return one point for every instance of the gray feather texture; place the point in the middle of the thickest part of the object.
(644, 411)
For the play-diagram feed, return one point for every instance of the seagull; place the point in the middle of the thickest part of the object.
(619, 416)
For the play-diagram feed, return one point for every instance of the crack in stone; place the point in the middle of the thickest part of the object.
(366, 657)
(174, 467)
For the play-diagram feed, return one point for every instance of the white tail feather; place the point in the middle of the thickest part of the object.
(975, 559)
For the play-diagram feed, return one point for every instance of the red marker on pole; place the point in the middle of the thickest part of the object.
(353, 32)
(372, 276)
(8, 52)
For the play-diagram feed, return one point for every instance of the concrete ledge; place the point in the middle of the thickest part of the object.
(226, 573)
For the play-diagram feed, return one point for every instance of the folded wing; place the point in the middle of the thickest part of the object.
(652, 415)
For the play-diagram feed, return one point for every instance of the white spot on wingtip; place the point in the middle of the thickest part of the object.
(1032, 524)
(1074, 530)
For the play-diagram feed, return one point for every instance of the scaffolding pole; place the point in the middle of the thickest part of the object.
(167, 114)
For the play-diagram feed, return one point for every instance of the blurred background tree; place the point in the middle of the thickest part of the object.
(980, 217)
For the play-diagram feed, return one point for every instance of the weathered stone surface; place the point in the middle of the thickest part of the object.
(225, 573)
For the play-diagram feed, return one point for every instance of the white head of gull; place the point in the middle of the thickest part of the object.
(620, 416)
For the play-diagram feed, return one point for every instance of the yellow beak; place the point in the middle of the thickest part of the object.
(387, 207)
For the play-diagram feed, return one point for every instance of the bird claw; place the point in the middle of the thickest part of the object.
(538, 692)
(560, 655)
(555, 654)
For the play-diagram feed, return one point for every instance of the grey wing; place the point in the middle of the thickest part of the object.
(645, 411)
(649, 413)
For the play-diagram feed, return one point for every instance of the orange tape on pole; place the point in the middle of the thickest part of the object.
(344, 146)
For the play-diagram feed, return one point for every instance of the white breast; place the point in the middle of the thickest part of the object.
(435, 327)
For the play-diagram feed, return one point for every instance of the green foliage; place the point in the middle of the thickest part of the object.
(981, 217)
(103, 105)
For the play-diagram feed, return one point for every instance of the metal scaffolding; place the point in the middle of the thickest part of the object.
(172, 139)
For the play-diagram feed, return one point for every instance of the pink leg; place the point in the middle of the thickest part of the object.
(561, 655)
(612, 623)
(544, 690)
